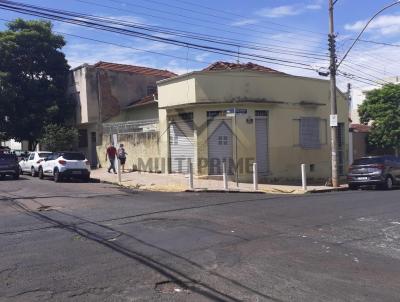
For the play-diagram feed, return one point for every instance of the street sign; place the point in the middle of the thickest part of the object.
(333, 120)
(233, 111)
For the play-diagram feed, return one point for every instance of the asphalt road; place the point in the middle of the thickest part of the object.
(97, 242)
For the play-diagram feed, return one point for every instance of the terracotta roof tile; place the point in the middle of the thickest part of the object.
(150, 99)
(237, 66)
(360, 128)
(135, 69)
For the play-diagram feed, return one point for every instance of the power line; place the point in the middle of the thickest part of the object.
(213, 15)
(378, 43)
(220, 40)
(83, 20)
(243, 16)
(89, 21)
(219, 29)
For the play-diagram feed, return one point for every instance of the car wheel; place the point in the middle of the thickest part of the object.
(389, 183)
(2, 176)
(353, 187)
(57, 176)
(33, 172)
(16, 176)
(41, 175)
(20, 171)
(86, 178)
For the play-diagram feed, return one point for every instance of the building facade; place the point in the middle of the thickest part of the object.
(233, 115)
(101, 92)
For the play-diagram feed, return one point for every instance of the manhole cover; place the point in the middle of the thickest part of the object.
(172, 287)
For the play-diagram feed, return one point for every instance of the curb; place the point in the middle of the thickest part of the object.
(329, 190)
(224, 191)
(229, 191)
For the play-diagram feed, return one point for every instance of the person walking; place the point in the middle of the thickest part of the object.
(122, 156)
(110, 154)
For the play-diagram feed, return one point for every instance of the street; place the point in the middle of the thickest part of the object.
(98, 242)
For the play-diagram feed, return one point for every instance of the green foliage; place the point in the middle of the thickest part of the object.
(382, 108)
(59, 138)
(33, 79)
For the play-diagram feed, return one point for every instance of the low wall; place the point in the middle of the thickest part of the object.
(142, 148)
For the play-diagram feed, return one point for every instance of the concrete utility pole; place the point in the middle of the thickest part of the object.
(333, 117)
(333, 69)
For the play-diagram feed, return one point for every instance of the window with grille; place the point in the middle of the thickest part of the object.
(222, 140)
(309, 133)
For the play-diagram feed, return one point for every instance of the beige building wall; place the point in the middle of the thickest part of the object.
(286, 98)
(101, 95)
(143, 150)
(145, 112)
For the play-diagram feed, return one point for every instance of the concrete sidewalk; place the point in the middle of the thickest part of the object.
(180, 183)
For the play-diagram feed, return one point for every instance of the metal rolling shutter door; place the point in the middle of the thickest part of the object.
(182, 147)
(220, 146)
(262, 145)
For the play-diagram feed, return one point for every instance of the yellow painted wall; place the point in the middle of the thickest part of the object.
(285, 153)
(180, 91)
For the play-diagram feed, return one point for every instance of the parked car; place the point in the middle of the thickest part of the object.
(31, 163)
(64, 165)
(8, 165)
(20, 154)
(378, 171)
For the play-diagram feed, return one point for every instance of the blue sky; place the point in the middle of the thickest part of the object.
(286, 30)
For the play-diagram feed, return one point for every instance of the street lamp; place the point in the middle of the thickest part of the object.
(332, 71)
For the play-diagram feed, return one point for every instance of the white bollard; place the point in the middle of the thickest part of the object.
(191, 186)
(224, 176)
(304, 177)
(255, 176)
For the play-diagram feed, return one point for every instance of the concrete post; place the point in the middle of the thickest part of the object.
(304, 177)
(224, 176)
(191, 187)
(351, 148)
(255, 176)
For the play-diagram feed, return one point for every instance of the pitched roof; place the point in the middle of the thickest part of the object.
(150, 99)
(135, 69)
(217, 66)
(360, 128)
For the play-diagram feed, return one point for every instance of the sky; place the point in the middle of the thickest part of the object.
(280, 31)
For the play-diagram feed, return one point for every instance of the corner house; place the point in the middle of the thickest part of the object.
(237, 114)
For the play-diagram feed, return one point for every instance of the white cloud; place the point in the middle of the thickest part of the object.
(280, 11)
(384, 25)
(245, 22)
(201, 57)
(289, 10)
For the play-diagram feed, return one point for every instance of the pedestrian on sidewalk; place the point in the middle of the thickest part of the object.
(111, 154)
(122, 156)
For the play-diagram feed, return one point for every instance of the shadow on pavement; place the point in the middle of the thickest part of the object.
(167, 271)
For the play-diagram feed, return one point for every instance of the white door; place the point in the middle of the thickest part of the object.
(220, 147)
(261, 124)
(182, 146)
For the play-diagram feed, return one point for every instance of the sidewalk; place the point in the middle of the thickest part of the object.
(180, 183)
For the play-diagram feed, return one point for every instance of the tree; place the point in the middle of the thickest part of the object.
(33, 79)
(382, 108)
(59, 138)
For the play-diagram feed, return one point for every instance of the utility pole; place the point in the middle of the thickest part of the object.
(333, 116)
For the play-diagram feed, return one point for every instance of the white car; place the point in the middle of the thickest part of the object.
(31, 163)
(65, 165)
